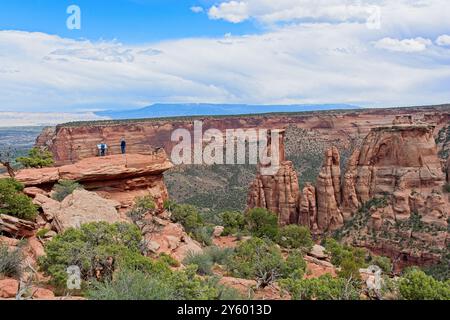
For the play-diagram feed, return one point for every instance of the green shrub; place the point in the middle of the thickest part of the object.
(132, 285)
(37, 158)
(441, 270)
(295, 237)
(188, 216)
(349, 259)
(384, 263)
(416, 285)
(64, 188)
(262, 260)
(13, 202)
(10, 262)
(447, 188)
(323, 288)
(169, 260)
(203, 235)
(142, 206)
(233, 222)
(262, 223)
(41, 233)
(176, 285)
(203, 262)
(206, 260)
(98, 249)
(219, 255)
(295, 266)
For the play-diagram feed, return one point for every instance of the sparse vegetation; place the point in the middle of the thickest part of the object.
(98, 249)
(10, 262)
(416, 285)
(323, 288)
(233, 222)
(142, 206)
(37, 158)
(13, 202)
(206, 260)
(162, 285)
(262, 223)
(349, 259)
(64, 188)
(262, 260)
(295, 237)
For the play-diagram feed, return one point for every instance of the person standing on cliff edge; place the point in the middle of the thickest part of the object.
(123, 145)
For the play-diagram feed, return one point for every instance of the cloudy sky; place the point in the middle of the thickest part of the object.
(132, 53)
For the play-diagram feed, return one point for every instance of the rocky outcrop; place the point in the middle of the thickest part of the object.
(16, 227)
(121, 178)
(163, 236)
(308, 208)
(396, 178)
(328, 186)
(277, 192)
(10, 289)
(82, 207)
(397, 161)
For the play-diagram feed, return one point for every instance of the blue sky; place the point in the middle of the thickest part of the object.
(133, 53)
(129, 21)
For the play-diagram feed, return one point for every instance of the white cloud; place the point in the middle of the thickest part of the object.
(443, 40)
(197, 9)
(316, 63)
(406, 45)
(232, 11)
(408, 15)
(329, 57)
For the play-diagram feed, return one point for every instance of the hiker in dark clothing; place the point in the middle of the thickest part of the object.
(103, 149)
(123, 145)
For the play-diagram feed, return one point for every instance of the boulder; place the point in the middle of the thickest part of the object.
(218, 230)
(84, 207)
(169, 238)
(8, 288)
(318, 252)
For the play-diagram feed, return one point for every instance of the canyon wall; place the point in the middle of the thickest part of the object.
(70, 143)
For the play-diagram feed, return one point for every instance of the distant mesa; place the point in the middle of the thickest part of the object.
(206, 109)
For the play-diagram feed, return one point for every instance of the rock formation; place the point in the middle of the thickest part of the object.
(163, 236)
(393, 161)
(16, 227)
(398, 176)
(70, 143)
(279, 192)
(308, 208)
(328, 187)
(121, 178)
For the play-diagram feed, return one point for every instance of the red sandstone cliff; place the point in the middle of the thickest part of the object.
(120, 178)
(391, 194)
(73, 142)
